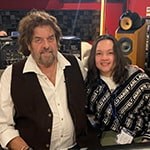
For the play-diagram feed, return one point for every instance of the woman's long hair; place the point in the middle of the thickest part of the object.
(120, 72)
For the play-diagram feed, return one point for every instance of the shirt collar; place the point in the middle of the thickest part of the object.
(31, 66)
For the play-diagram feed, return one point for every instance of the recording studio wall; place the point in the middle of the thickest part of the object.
(81, 23)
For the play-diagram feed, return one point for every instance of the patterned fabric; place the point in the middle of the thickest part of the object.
(127, 106)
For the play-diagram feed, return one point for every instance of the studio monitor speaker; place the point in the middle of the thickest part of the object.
(133, 44)
(130, 20)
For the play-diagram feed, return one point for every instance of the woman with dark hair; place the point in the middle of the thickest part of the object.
(118, 94)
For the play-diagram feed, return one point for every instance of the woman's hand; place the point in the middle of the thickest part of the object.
(135, 66)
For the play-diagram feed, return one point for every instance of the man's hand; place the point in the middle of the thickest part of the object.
(17, 144)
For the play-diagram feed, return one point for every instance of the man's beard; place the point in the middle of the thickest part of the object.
(44, 59)
(47, 61)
